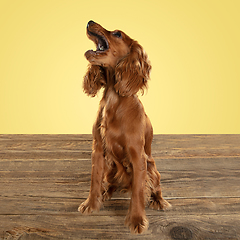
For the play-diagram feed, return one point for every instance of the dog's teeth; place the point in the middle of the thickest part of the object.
(101, 48)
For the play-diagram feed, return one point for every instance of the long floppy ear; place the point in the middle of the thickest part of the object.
(132, 72)
(93, 80)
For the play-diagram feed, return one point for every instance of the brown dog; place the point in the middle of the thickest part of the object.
(122, 133)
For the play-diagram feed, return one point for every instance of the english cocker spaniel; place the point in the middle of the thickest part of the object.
(122, 132)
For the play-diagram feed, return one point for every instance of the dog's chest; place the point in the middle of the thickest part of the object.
(111, 124)
(112, 127)
(110, 120)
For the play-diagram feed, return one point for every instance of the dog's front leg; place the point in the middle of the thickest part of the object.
(94, 200)
(136, 218)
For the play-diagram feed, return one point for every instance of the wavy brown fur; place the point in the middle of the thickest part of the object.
(122, 132)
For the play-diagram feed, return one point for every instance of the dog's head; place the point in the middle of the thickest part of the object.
(110, 46)
(116, 51)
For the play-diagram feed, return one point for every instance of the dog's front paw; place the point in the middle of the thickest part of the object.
(136, 224)
(159, 204)
(90, 205)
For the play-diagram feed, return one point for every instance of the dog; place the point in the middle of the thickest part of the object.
(122, 132)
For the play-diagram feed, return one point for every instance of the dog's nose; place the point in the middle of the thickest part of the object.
(90, 23)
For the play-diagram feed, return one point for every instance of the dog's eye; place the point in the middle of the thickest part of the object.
(117, 34)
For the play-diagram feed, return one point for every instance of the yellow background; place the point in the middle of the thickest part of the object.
(194, 47)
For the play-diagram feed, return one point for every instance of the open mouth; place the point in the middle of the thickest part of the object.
(100, 41)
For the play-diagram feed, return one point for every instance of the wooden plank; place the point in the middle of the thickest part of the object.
(43, 179)
(189, 178)
(55, 205)
(54, 218)
(79, 146)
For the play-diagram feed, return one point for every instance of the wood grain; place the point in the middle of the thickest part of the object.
(44, 178)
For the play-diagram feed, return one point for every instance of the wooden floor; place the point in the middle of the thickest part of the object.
(44, 178)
